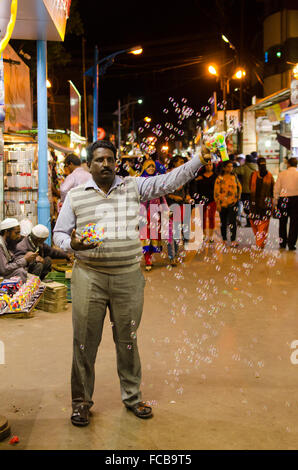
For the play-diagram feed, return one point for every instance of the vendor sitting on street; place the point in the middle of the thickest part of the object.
(42, 264)
(10, 266)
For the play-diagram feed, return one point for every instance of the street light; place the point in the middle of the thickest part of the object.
(225, 39)
(95, 72)
(136, 50)
(225, 84)
(212, 70)
(124, 107)
(240, 74)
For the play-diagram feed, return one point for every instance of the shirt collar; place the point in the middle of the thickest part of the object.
(92, 185)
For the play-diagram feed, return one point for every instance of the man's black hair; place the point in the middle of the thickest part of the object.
(293, 162)
(72, 158)
(174, 160)
(105, 144)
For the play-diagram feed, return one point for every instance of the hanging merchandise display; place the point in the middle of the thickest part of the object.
(20, 182)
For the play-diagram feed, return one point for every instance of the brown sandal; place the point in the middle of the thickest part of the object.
(141, 410)
(80, 416)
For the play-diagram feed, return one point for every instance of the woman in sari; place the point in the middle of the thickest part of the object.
(150, 223)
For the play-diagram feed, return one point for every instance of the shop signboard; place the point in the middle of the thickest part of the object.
(294, 130)
(59, 12)
(60, 138)
(75, 109)
(37, 19)
(101, 133)
(294, 91)
(2, 91)
(18, 105)
(249, 132)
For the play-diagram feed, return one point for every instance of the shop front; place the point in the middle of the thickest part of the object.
(268, 128)
(40, 20)
(291, 119)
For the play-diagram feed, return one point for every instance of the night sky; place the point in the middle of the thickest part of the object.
(179, 40)
(172, 34)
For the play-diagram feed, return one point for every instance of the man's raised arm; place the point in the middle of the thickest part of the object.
(160, 185)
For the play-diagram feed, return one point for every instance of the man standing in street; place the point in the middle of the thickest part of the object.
(76, 175)
(244, 173)
(9, 265)
(109, 275)
(286, 200)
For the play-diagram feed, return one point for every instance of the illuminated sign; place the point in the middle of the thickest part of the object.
(75, 109)
(101, 133)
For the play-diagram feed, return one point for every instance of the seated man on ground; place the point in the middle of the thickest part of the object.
(42, 264)
(10, 266)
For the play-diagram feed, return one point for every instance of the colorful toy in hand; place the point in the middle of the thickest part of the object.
(217, 142)
(91, 233)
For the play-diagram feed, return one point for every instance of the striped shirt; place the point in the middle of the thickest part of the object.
(119, 211)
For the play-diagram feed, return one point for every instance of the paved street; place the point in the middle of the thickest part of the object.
(215, 343)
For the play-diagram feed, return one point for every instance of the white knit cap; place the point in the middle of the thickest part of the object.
(40, 231)
(8, 223)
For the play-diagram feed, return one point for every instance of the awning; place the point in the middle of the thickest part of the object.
(275, 98)
(290, 110)
(18, 139)
(284, 140)
(59, 147)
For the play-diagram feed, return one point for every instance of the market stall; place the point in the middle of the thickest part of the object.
(269, 123)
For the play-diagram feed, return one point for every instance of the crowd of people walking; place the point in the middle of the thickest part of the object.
(237, 189)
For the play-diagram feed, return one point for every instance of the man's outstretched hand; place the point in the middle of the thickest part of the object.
(78, 244)
(205, 158)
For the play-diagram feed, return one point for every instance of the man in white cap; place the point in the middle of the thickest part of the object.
(35, 241)
(9, 265)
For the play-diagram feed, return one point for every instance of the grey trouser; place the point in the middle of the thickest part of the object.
(92, 293)
(41, 269)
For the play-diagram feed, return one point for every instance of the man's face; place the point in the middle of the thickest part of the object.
(103, 166)
(38, 241)
(15, 234)
(68, 168)
(179, 162)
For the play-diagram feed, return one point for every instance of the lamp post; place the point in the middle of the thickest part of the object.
(95, 71)
(118, 112)
(225, 84)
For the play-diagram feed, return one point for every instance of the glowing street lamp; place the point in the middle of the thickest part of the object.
(136, 50)
(212, 70)
(240, 74)
(95, 72)
(225, 39)
(147, 119)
